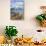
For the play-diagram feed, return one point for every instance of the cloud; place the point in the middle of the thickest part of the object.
(17, 4)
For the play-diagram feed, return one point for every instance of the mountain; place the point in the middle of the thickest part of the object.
(20, 10)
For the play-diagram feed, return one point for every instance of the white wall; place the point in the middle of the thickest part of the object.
(25, 26)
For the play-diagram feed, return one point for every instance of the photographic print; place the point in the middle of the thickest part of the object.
(17, 10)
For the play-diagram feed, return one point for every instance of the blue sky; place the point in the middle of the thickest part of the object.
(17, 3)
(17, 0)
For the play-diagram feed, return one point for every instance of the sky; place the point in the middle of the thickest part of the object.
(17, 0)
(17, 3)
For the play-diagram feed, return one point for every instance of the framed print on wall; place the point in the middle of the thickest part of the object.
(17, 10)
